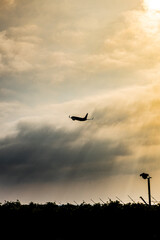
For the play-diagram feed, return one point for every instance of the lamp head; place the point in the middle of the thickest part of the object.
(144, 175)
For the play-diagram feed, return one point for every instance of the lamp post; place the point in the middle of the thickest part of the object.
(146, 176)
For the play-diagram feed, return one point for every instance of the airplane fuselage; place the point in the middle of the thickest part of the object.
(74, 118)
(78, 119)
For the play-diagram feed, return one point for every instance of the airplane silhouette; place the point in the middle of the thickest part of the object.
(80, 118)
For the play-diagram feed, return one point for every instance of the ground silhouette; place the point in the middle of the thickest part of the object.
(112, 220)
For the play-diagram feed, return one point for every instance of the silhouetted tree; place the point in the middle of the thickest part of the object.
(112, 220)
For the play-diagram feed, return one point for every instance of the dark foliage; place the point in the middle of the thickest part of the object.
(108, 221)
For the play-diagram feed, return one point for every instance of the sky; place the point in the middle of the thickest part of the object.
(70, 57)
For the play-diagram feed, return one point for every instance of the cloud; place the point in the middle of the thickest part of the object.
(132, 45)
(18, 49)
(122, 139)
(46, 154)
(68, 47)
(43, 147)
(60, 58)
(6, 4)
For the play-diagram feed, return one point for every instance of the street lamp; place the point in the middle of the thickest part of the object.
(146, 176)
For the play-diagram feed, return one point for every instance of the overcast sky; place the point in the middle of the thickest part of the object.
(70, 57)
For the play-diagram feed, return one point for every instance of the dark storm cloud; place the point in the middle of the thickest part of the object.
(47, 154)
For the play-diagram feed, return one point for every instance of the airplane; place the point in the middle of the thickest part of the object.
(80, 118)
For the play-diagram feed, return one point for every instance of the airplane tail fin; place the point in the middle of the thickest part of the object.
(86, 116)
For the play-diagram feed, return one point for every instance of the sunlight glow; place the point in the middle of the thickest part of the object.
(152, 5)
(151, 18)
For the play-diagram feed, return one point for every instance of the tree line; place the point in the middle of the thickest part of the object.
(112, 220)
